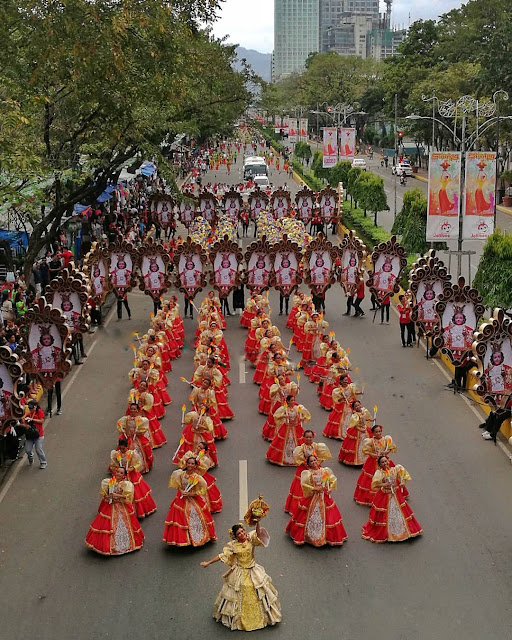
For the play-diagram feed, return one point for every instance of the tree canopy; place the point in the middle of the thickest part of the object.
(87, 85)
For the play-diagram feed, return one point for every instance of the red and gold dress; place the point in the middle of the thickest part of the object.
(390, 519)
(115, 530)
(221, 396)
(189, 521)
(351, 451)
(248, 313)
(131, 462)
(339, 418)
(145, 401)
(200, 397)
(213, 495)
(136, 430)
(317, 520)
(289, 434)
(373, 448)
(197, 428)
(277, 394)
(300, 456)
(327, 386)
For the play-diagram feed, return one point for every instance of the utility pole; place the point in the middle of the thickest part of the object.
(396, 145)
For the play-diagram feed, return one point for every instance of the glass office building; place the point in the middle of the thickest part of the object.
(296, 35)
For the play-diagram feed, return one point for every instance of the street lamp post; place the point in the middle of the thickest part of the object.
(465, 106)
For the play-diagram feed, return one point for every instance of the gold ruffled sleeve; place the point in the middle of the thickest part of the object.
(377, 480)
(127, 490)
(104, 487)
(333, 481)
(304, 414)
(227, 555)
(306, 483)
(322, 451)
(200, 488)
(175, 479)
(136, 461)
(256, 541)
(148, 402)
(368, 448)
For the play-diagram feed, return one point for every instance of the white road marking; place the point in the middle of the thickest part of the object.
(243, 500)
(19, 463)
(241, 370)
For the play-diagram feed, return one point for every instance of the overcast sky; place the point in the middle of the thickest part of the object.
(250, 23)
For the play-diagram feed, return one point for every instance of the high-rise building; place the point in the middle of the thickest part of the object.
(341, 22)
(296, 35)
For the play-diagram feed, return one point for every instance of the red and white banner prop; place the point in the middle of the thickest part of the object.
(478, 220)
(443, 196)
(330, 147)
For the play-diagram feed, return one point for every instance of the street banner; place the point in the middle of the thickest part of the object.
(303, 129)
(277, 125)
(330, 147)
(480, 186)
(443, 196)
(285, 123)
(292, 131)
(347, 143)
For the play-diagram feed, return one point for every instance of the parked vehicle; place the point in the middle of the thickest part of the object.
(360, 163)
(402, 168)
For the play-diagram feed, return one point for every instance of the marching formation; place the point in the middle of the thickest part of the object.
(314, 516)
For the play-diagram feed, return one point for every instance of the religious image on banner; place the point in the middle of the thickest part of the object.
(353, 255)
(304, 201)
(232, 204)
(259, 265)
(292, 131)
(95, 268)
(207, 204)
(225, 256)
(154, 278)
(347, 143)
(45, 336)
(460, 309)
(258, 201)
(286, 257)
(280, 200)
(187, 209)
(277, 126)
(162, 210)
(69, 293)
(493, 355)
(388, 259)
(443, 196)
(122, 268)
(190, 271)
(480, 185)
(303, 129)
(328, 200)
(319, 264)
(11, 372)
(427, 279)
(330, 147)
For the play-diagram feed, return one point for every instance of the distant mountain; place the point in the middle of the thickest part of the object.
(260, 62)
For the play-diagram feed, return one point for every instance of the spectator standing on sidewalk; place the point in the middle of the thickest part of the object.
(45, 274)
(54, 266)
(406, 324)
(34, 418)
(384, 309)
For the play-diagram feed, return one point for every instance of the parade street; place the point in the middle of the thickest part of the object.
(453, 582)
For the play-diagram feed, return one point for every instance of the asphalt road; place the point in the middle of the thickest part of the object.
(451, 583)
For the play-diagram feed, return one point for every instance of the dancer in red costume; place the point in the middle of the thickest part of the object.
(145, 401)
(197, 428)
(339, 418)
(204, 462)
(132, 464)
(278, 393)
(289, 432)
(189, 521)
(211, 371)
(317, 520)
(374, 447)
(351, 451)
(390, 519)
(300, 455)
(115, 530)
(135, 428)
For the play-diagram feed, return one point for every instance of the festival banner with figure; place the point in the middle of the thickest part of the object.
(347, 143)
(292, 132)
(330, 147)
(443, 196)
(303, 129)
(277, 125)
(478, 220)
(285, 123)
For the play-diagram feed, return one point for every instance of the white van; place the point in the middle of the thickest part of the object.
(255, 166)
(261, 181)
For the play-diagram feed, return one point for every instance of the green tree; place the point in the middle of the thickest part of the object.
(96, 84)
(493, 278)
(370, 193)
(411, 223)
